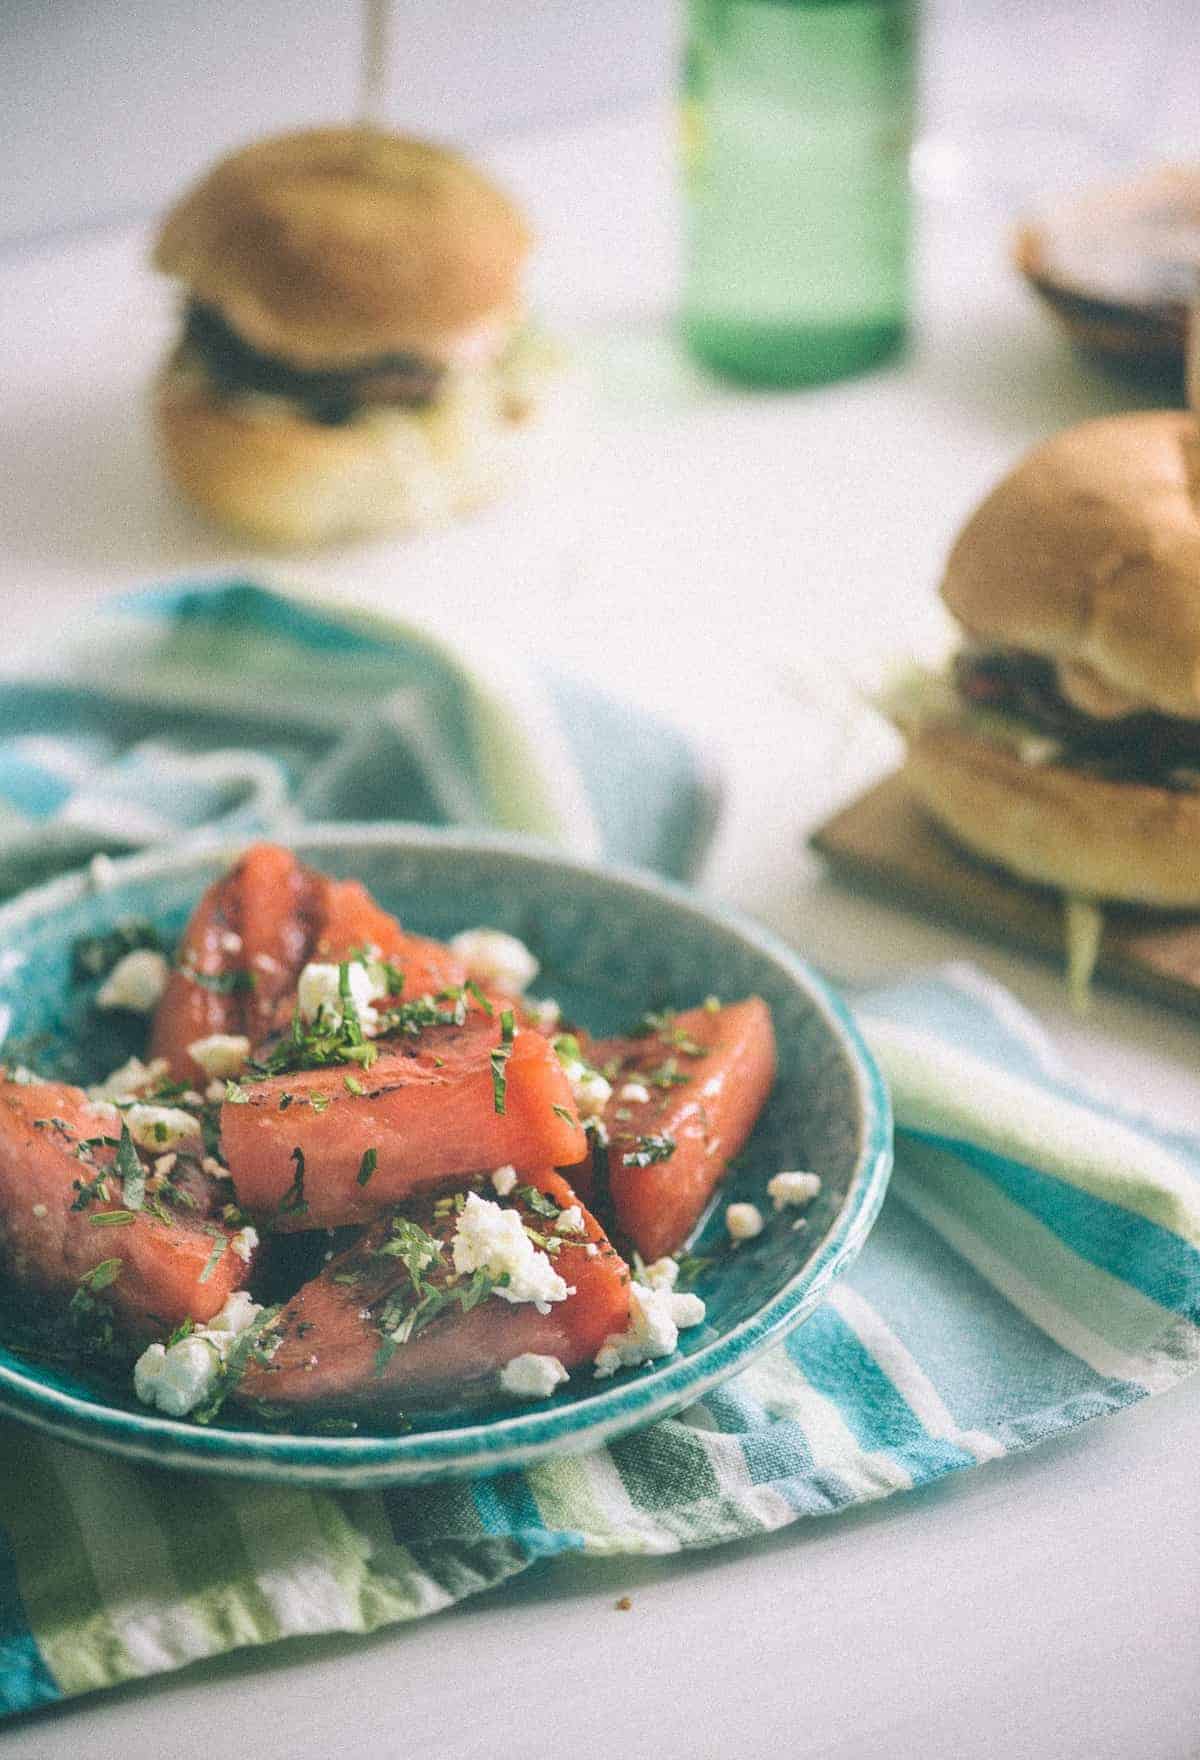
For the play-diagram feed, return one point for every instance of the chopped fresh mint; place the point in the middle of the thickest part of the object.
(100, 1276)
(94, 956)
(229, 983)
(220, 1247)
(130, 1171)
(648, 1150)
(538, 1202)
(252, 1343)
(499, 1060)
(567, 1048)
(293, 1202)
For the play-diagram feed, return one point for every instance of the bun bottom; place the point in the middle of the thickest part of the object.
(1123, 841)
(258, 467)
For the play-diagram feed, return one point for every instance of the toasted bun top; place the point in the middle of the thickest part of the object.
(1089, 553)
(335, 245)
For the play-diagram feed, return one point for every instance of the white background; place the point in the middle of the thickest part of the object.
(107, 106)
(740, 560)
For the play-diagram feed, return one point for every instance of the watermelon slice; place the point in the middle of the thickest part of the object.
(58, 1186)
(253, 932)
(334, 1348)
(325, 1147)
(705, 1075)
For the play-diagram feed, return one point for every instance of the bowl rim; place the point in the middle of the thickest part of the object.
(516, 1439)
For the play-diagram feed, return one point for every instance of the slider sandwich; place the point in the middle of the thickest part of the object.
(1063, 741)
(354, 353)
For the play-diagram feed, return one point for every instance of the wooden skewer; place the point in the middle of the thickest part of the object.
(375, 62)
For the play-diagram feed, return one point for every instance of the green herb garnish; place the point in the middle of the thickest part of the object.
(100, 1276)
(367, 1165)
(499, 1060)
(691, 1266)
(667, 1075)
(89, 1317)
(567, 1048)
(112, 1218)
(94, 956)
(661, 1025)
(130, 1171)
(473, 989)
(415, 1249)
(91, 1191)
(248, 1344)
(648, 1150)
(220, 1247)
(537, 1201)
(293, 1201)
(228, 983)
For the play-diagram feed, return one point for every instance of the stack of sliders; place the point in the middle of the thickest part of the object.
(1063, 741)
(354, 354)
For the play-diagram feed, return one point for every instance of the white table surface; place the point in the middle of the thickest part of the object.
(739, 559)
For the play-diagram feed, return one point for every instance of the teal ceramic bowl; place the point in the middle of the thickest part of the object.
(612, 944)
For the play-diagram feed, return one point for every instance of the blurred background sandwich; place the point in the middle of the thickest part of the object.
(354, 354)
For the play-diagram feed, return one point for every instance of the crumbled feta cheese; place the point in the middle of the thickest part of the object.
(178, 1378)
(743, 1221)
(214, 1168)
(229, 942)
(662, 1274)
(135, 982)
(592, 1250)
(637, 1093)
(164, 1165)
(504, 1179)
(240, 1311)
(687, 1310)
(215, 1091)
(569, 1221)
(23, 1077)
(221, 1054)
(545, 1014)
(319, 992)
(131, 1081)
(588, 1087)
(162, 1127)
(494, 958)
(793, 1188)
(656, 1317)
(490, 1239)
(40, 1210)
(243, 1244)
(530, 1376)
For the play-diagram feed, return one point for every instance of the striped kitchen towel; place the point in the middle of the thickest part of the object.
(1036, 1265)
(227, 708)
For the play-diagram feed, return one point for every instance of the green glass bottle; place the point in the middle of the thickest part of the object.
(797, 124)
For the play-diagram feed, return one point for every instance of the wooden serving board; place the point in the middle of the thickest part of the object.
(885, 844)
